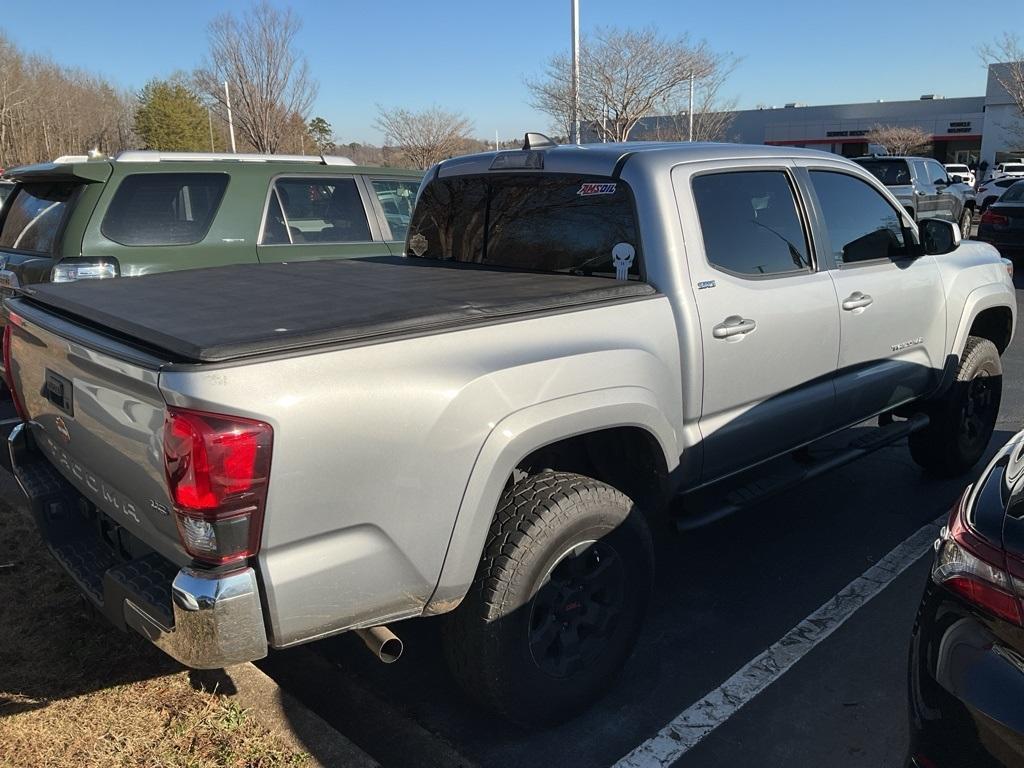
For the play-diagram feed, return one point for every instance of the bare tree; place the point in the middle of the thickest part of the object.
(627, 75)
(425, 137)
(1008, 56)
(899, 139)
(47, 110)
(269, 79)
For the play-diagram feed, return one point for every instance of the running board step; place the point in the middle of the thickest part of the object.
(710, 503)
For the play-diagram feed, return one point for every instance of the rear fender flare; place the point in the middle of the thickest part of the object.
(514, 438)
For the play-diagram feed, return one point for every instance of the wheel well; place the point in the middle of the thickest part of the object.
(627, 458)
(996, 325)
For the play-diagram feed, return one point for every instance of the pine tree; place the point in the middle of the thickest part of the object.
(170, 117)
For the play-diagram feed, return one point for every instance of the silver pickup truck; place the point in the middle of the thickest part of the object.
(247, 458)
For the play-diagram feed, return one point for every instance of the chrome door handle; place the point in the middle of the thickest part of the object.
(734, 325)
(857, 300)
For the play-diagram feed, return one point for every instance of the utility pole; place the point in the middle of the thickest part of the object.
(575, 138)
(231, 123)
(496, 142)
(690, 114)
(209, 120)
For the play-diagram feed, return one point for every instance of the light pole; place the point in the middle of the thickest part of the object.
(231, 123)
(575, 138)
(690, 114)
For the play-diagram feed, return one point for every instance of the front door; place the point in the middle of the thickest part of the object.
(319, 217)
(768, 318)
(891, 305)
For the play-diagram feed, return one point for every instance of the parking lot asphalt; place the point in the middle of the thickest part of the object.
(724, 594)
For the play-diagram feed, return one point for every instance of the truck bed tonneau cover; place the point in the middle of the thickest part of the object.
(225, 313)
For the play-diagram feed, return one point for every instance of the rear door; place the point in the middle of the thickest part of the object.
(926, 194)
(946, 200)
(891, 305)
(319, 217)
(769, 323)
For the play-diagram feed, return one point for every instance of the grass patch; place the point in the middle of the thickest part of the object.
(74, 691)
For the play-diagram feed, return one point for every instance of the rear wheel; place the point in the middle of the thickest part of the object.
(962, 422)
(965, 222)
(558, 600)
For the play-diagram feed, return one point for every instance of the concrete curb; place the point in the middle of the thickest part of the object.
(293, 722)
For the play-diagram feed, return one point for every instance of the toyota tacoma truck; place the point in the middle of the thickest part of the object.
(250, 457)
(924, 188)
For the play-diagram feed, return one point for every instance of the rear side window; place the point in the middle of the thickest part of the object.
(317, 210)
(397, 199)
(35, 216)
(862, 225)
(750, 223)
(164, 208)
(537, 222)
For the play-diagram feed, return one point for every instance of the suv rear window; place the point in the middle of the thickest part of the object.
(35, 216)
(892, 173)
(536, 222)
(164, 208)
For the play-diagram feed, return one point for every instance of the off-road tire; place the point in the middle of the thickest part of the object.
(966, 217)
(490, 639)
(963, 420)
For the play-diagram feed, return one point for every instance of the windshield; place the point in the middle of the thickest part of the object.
(892, 173)
(1013, 169)
(35, 216)
(1015, 194)
(537, 222)
(958, 169)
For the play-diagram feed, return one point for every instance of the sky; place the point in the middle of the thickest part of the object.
(472, 57)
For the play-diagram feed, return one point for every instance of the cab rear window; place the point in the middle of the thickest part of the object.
(35, 215)
(538, 222)
(164, 208)
(892, 173)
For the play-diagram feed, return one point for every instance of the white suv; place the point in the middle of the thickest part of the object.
(961, 170)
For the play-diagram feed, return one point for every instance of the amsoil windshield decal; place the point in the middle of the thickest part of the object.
(592, 188)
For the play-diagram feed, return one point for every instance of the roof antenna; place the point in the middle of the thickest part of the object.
(537, 141)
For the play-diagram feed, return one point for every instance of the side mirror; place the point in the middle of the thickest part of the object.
(958, 179)
(938, 236)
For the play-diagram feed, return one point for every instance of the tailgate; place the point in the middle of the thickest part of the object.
(97, 414)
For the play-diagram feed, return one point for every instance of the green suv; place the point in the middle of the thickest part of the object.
(144, 212)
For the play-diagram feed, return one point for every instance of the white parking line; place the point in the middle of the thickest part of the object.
(698, 720)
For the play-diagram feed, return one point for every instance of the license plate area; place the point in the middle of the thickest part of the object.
(58, 391)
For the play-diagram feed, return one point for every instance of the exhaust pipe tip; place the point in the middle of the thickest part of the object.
(382, 643)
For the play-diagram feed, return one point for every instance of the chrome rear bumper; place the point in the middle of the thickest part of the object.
(217, 620)
(204, 619)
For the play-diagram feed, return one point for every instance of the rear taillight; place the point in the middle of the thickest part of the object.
(8, 372)
(217, 470)
(976, 569)
(68, 270)
(988, 217)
